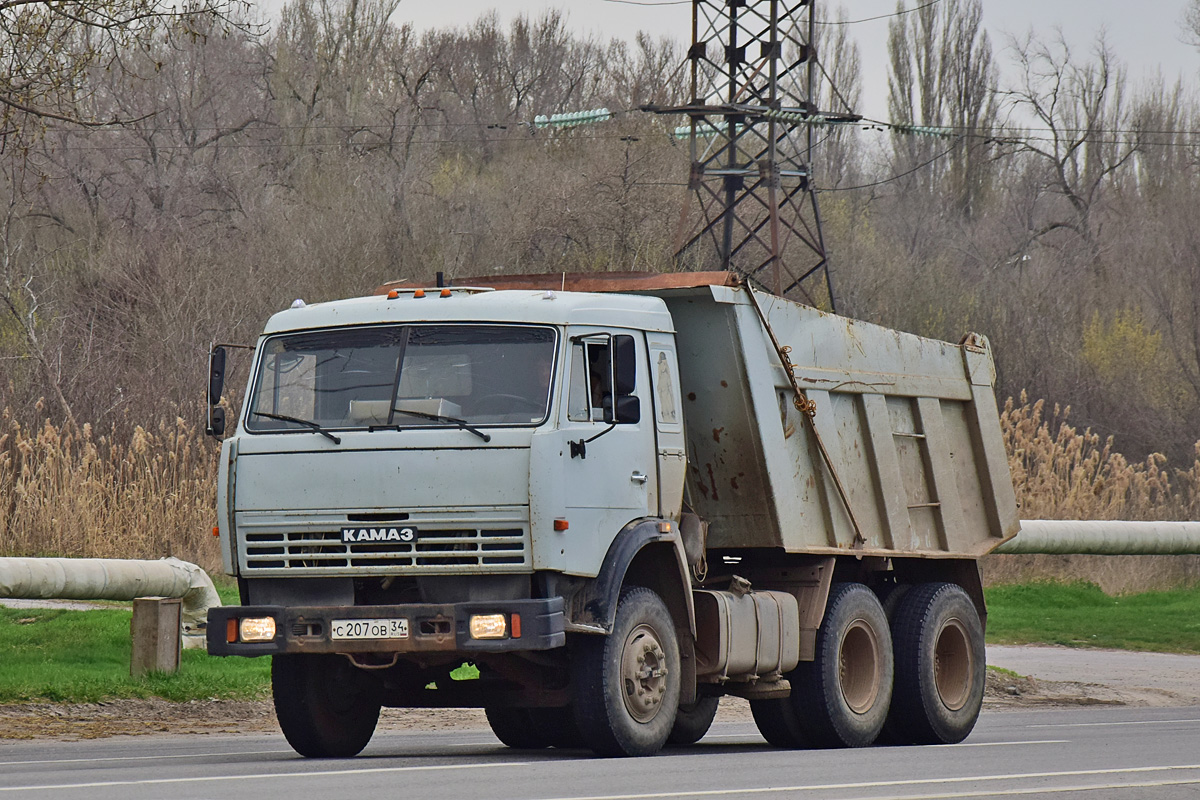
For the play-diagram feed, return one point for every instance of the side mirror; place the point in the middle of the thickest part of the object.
(624, 365)
(216, 375)
(216, 422)
(629, 410)
(216, 383)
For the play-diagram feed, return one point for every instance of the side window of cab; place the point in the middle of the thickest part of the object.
(602, 380)
(591, 380)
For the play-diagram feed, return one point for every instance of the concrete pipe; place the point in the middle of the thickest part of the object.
(115, 579)
(1104, 537)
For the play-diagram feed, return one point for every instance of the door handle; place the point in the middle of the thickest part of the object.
(638, 477)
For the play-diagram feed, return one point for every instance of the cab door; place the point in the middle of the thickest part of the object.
(597, 470)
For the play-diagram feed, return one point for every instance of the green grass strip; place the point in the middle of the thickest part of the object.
(83, 657)
(1080, 615)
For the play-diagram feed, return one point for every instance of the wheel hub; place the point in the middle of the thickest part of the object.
(643, 673)
(953, 665)
(859, 668)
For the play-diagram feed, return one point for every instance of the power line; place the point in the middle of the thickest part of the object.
(864, 19)
(561, 121)
(815, 21)
(400, 142)
(893, 178)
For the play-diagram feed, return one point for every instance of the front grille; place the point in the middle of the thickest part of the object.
(272, 544)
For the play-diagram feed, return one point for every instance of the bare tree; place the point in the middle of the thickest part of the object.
(839, 90)
(1191, 22)
(941, 76)
(48, 48)
(648, 71)
(1086, 133)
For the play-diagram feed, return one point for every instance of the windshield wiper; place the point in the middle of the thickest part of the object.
(307, 422)
(460, 423)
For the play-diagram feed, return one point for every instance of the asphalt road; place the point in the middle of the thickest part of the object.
(1121, 753)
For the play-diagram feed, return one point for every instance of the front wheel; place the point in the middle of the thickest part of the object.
(627, 683)
(940, 666)
(326, 706)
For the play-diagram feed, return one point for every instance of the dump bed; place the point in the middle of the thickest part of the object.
(910, 426)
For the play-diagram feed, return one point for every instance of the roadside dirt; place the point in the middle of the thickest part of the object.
(1005, 691)
(74, 721)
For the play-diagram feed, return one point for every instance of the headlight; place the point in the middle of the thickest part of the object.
(488, 626)
(256, 629)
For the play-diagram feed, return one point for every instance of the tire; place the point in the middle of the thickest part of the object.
(841, 698)
(776, 721)
(693, 721)
(940, 666)
(534, 728)
(627, 683)
(560, 727)
(514, 727)
(326, 706)
(890, 597)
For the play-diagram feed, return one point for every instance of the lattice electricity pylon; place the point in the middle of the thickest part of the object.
(751, 142)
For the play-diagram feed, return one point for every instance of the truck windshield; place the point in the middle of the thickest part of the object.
(404, 376)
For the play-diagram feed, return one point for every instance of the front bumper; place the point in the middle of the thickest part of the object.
(432, 627)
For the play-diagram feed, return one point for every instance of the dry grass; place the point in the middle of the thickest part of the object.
(1062, 473)
(151, 494)
(73, 492)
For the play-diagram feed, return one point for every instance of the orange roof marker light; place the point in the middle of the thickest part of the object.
(419, 293)
(393, 294)
(445, 292)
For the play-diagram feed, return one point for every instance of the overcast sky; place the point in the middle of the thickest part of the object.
(1146, 36)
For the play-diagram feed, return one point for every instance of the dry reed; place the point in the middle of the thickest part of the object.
(71, 492)
(67, 491)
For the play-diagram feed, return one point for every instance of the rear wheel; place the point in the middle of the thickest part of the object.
(515, 728)
(627, 683)
(841, 698)
(776, 721)
(534, 728)
(326, 707)
(693, 721)
(560, 726)
(940, 666)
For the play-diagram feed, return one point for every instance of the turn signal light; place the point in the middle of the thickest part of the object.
(216, 531)
(257, 629)
(488, 626)
(561, 524)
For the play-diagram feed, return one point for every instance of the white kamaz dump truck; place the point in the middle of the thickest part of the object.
(618, 498)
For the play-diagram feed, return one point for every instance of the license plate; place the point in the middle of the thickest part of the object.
(369, 629)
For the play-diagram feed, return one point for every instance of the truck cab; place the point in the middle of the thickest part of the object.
(424, 478)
